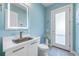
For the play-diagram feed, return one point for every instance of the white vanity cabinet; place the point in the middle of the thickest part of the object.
(29, 48)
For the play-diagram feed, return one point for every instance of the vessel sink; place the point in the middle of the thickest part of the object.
(22, 39)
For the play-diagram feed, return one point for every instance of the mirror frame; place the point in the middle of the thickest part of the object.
(7, 21)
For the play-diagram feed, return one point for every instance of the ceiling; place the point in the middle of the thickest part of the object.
(47, 4)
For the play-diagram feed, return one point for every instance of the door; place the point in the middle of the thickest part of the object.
(61, 27)
(33, 48)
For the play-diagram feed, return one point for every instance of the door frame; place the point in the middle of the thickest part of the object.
(71, 24)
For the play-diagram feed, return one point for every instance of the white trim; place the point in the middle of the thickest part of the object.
(71, 7)
(27, 17)
(8, 20)
(71, 16)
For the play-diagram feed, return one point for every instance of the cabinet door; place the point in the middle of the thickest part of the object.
(33, 49)
(17, 51)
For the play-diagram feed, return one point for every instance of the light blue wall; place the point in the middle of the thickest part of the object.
(36, 17)
(77, 28)
(36, 23)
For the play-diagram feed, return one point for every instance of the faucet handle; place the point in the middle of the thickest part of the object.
(21, 31)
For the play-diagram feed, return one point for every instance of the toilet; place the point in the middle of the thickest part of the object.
(43, 50)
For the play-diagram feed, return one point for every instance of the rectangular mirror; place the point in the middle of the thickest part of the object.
(16, 16)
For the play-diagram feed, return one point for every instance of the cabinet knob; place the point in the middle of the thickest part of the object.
(33, 43)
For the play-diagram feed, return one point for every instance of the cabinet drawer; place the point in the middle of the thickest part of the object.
(17, 51)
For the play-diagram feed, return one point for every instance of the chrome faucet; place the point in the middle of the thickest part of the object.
(21, 35)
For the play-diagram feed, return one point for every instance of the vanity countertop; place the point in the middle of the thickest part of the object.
(8, 43)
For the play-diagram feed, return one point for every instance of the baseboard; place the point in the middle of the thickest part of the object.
(73, 52)
(61, 48)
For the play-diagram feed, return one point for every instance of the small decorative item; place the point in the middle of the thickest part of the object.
(47, 40)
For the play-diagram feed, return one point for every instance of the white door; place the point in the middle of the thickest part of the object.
(33, 48)
(61, 27)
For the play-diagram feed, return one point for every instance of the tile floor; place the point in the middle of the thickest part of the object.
(58, 52)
